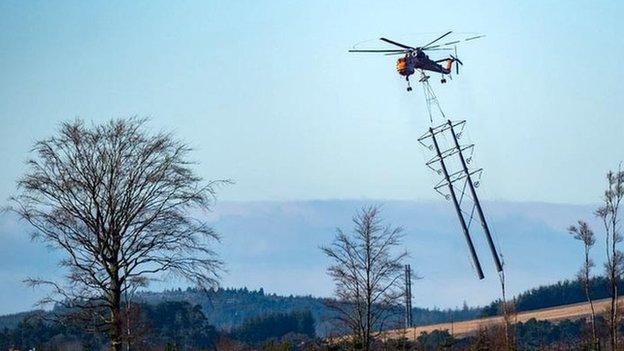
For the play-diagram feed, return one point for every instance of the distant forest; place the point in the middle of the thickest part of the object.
(229, 308)
(561, 293)
(199, 319)
(175, 325)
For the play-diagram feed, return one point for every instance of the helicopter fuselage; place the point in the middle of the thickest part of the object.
(408, 64)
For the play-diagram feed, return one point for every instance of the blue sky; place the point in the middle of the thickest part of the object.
(269, 97)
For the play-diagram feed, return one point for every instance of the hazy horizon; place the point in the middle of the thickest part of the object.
(524, 232)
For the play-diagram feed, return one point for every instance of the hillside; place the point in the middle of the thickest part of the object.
(229, 308)
(525, 233)
(565, 292)
(470, 327)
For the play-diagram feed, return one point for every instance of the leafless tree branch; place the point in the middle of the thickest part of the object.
(367, 270)
(119, 202)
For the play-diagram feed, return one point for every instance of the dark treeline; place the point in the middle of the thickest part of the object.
(177, 323)
(229, 308)
(182, 325)
(424, 316)
(536, 335)
(36, 333)
(193, 317)
(168, 325)
(12, 320)
(561, 293)
(532, 335)
(275, 326)
(545, 335)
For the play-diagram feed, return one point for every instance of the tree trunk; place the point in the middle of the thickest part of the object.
(589, 299)
(612, 311)
(593, 313)
(115, 313)
(616, 317)
(614, 298)
(509, 345)
(612, 319)
(369, 292)
(615, 268)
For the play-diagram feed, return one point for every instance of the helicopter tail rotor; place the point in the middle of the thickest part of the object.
(455, 59)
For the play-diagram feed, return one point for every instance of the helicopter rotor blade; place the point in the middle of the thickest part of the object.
(396, 53)
(440, 37)
(437, 49)
(397, 44)
(381, 51)
(476, 37)
(457, 66)
(454, 42)
(457, 61)
(445, 44)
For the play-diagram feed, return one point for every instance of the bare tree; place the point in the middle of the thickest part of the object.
(368, 273)
(583, 233)
(117, 200)
(609, 214)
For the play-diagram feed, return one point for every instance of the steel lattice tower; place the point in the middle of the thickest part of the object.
(459, 185)
(459, 181)
(408, 296)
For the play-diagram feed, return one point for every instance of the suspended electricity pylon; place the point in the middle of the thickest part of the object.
(458, 181)
(408, 296)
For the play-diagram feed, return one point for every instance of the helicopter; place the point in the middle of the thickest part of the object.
(415, 58)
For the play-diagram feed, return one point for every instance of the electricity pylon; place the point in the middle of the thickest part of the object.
(408, 296)
(459, 181)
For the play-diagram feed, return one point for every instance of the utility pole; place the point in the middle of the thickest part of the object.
(408, 296)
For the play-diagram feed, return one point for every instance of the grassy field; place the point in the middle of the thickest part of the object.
(466, 328)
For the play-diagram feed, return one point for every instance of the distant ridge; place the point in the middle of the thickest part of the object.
(274, 244)
(230, 307)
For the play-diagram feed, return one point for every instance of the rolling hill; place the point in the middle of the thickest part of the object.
(470, 327)
(275, 246)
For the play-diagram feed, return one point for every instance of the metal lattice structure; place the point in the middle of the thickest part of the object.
(408, 296)
(459, 181)
(431, 99)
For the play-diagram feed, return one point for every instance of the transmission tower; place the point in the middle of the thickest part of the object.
(408, 296)
(459, 181)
